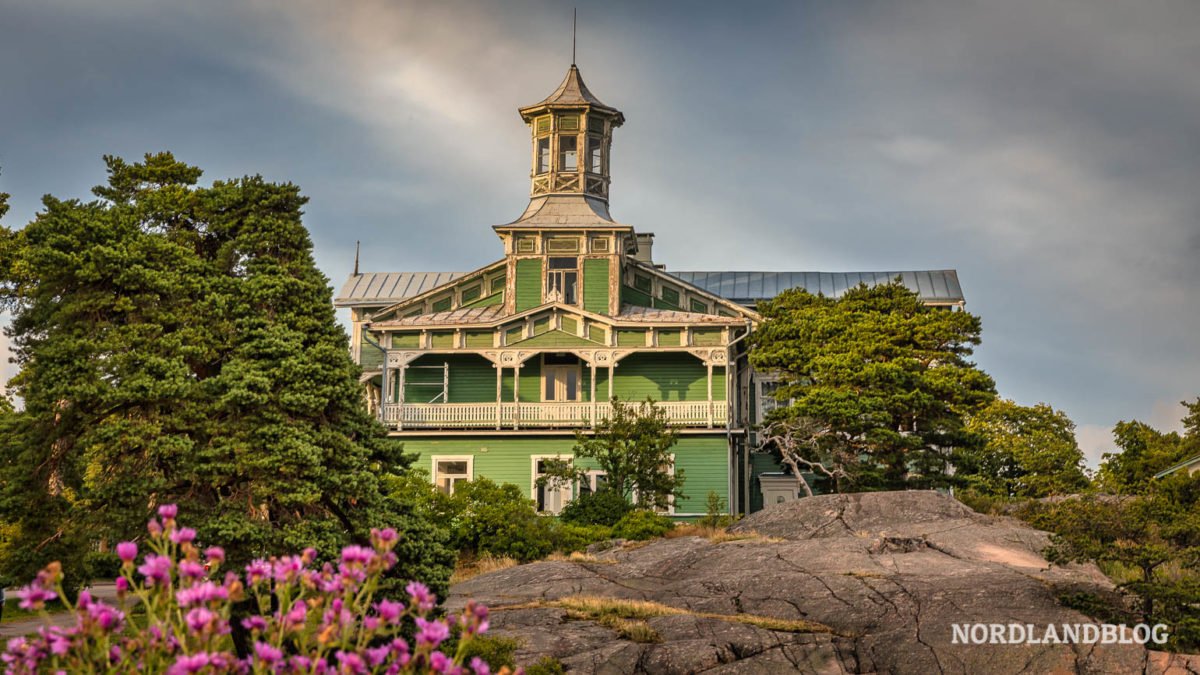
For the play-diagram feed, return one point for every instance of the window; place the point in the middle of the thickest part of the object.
(766, 397)
(526, 245)
(562, 245)
(593, 482)
(698, 306)
(561, 383)
(543, 154)
(497, 284)
(593, 155)
(600, 245)
(568, 123)
(670, 295)
(595, 124)
(442, 304)
(449, 471)
(562, 280)
(641, 283)
(471, 293)
(551, 497)
(568, 153)
(543, 124)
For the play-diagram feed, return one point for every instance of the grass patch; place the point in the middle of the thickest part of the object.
(469, 569)
(576, 557)
(628, 617)
(719, 535)
(13, 611)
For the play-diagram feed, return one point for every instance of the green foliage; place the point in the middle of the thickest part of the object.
(642, 524)
(1027, 452)
(497, 652)
(633, 448)
(1145, 451)
(603, 507)
(714, 512)
(486, 518)
(177, 343)
(102, 565)
(547, 665)
(879, 384)
(570, 537)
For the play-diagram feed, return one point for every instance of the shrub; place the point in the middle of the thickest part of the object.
(485, 518)
(604, 507)
(547, 665)
(497, 652)
(642, 524)
(569, 537)
(102, 565)
(301, 618)
(714, 512)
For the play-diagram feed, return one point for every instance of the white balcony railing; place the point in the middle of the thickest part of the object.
(510, 415)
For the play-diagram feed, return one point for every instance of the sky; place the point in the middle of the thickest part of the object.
(1048, 150)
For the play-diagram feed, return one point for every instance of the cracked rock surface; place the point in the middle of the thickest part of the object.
(888, 572)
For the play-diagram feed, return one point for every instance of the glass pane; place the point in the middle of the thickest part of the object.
(569, 291)
(593, 154)
(563, 263)
(549, 385)
(568, 151)
(572, 385)
(453, 467)
(543, 145)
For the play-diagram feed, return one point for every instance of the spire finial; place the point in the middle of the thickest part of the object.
(574, 22)
(356, 257)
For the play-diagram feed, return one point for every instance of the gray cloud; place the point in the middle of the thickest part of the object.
(1048, 151)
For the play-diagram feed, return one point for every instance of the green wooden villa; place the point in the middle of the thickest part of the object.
(491, 372)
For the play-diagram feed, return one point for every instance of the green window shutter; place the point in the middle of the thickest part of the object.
(642, 283)
(406, 340)
(497, 285)
(529, 283)
(697, 306)
(471, 293)
(670, 295)
(632, 296)
(442, 340)
(541, 325)
(669, 338)
(443, 305)
(631, 338)
(515, 334)
(595, 285)
(479, 339)
(570, 325)
(596, 334)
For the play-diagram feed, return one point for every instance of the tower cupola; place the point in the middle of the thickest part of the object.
(571, 132)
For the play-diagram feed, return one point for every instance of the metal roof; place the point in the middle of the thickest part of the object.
(649, 315)
(386, 288)
(566, 211)
(571, 92)
(470, 315)
(749, 288)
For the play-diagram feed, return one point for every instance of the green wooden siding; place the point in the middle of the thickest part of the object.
(632, 296)
(665, 377)
(631, 338)
(557, 338)
(479, 339)
(706, 338)
(406, 340)
(529, 283)
(570, 325)
(704, 461)
(472, 379)
(370, 353)
(669, 337)
(660, 303)
(442, 339)
(531, 382)
(514, 335)
(541, 325)
(596, 334)
(595, 285)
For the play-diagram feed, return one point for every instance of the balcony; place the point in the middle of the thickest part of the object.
(509, 415)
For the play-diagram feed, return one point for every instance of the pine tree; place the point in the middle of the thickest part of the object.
(177, 344)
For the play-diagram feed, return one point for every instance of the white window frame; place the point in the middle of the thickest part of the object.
(592, 476)
(760, 413)
(469, 459)
(564, 491)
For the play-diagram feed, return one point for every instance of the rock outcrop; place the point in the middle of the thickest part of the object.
(887, 574)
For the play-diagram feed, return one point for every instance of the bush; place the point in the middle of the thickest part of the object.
(489, 519)
(300, 618)
(497, 652)
(102, 565)
(569, 537)
(642, 524)
(547, 665)
(714, 512)
(604, 507)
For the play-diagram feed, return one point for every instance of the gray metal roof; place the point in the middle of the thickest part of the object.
(749, 288)
(566, 211)
(571, 92)
(385, 288)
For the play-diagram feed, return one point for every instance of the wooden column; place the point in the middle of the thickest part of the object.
(499, 390)
(517, 396)
(592, 365)
(710, 396)
(400, 397)
(610, 381)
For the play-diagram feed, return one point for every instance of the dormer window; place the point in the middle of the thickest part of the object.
(543, 155)
(562, 280)
(568, 153)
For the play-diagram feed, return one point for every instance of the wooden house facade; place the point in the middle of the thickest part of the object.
(491, 372)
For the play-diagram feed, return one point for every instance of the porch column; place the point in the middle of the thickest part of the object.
(499, 388)
(400, 397)
(592, 365)
(517, 396)
(610, 381)
(710, 396)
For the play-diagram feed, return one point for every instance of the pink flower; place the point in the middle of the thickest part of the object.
(420, 595)
(122, 585)
(200, 619)
(480, 667)
(200, 594)
(377, 655)
(258, 571)
(254, 623)
(215, 554)
(350, 662)
(288, 568)
(156, 569)
(35, 597)
(191, 569)
(385, 539)
(431, 633)
(439, 662)
(266, 654)
(127, 551)
(183, 535)
(168, 511)
(357, 555)
(107, 618)
(389, 610)
(186, 665)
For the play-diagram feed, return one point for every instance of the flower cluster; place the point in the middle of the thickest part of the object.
(302, 618)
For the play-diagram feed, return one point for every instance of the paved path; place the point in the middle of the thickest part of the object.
(105, 591)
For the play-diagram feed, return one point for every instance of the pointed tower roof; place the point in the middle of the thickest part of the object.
(571, 93)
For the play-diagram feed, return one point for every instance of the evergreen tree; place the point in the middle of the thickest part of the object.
(875, 378)
(1029, 451)
(177, 344)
